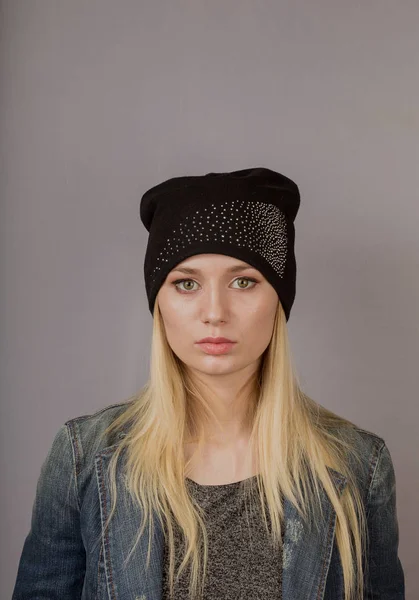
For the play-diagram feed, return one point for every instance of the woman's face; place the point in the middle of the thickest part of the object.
(213, 295)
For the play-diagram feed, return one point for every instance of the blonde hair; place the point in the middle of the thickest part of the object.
(293, 437)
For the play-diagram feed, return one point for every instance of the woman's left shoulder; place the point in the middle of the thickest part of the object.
(370, 452)
(369, 441)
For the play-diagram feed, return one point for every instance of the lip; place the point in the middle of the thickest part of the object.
(219, 348)
(216, 345)
(215, 340)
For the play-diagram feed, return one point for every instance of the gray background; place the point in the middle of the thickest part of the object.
(101, 100)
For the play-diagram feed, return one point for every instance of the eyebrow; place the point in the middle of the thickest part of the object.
(190, 271)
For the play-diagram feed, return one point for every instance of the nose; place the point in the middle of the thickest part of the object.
(215, 306)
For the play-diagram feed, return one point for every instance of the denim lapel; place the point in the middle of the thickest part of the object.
(308, 550)
(306, 556)
(130, 581)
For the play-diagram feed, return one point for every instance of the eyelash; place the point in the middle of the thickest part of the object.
(188, 291)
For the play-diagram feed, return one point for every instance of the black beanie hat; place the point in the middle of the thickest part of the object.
(248, 214)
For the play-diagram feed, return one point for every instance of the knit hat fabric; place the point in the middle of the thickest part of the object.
(248, 214)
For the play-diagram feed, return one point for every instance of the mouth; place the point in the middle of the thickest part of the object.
(215, 340)
(216, 348)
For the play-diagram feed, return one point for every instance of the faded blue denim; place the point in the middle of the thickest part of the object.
(66, 555)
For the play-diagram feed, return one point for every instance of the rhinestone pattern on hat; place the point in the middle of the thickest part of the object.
(256, 225)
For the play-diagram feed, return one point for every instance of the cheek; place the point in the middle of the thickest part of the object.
(177, 333)
(258, 330)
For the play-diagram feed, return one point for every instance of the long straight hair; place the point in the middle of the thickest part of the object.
(293, 438)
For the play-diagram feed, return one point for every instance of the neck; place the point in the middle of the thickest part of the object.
(232, 400)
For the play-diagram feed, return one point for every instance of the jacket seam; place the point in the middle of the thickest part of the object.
(373, 469)
(76, 454)
(323, 577)
(98, 566)
(104, 509)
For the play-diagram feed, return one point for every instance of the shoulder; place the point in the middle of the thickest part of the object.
(363, 442)
(368, 451)
(88, 433)
(369, 440)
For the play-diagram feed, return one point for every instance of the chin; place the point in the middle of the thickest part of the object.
(213, 364)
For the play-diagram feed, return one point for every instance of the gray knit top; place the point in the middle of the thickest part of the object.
(241, 560)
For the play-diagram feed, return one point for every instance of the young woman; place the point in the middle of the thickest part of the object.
(221, 478)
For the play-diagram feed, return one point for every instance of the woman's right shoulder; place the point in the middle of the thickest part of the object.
(88, 433)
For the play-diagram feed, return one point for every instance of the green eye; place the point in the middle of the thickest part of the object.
(182, 281)
(240, 279)
(191, 281)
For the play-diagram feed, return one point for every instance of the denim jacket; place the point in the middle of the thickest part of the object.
(67, 554)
